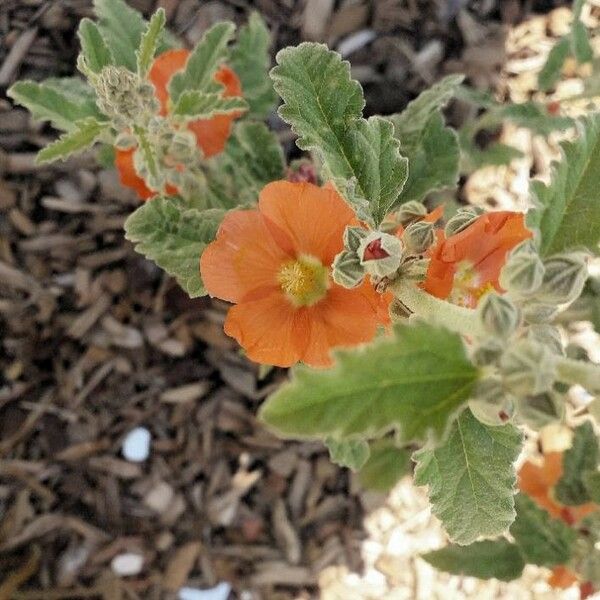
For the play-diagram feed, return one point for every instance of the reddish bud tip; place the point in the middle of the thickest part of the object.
(374, 251)
(305, 173)
(586, 590)
(553, 107)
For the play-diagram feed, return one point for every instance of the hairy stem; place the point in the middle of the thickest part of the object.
(456, 318)
(578, 371)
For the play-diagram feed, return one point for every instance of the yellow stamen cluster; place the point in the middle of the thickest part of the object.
(467, 288)
(304, 280)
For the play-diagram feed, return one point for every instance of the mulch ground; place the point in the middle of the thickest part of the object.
(96, 341)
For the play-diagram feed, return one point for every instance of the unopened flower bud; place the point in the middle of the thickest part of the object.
(488, 352)
(418, 237)
(528, 368)
(347, 270)
(125, 141)
(380, 254)
(410, 212)
(353, 236)
(547, 335)
(540, 410)
(183, 145)
(461, 220)
(539, 313)
(492, 405)
(564, 278)
(498, 315)
(523, 273)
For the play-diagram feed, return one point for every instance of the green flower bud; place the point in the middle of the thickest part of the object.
(418, 237)
(498, 315)
(461, 220)
(353, 236)
(183, 146)
(548, 335)
(410, 212)
(539, 313)
(523, 273)
(125, 141)
(380, 254)
(540, 410)
(488, 352)
(564, 278)
(347, 270)
(528, 368)
(414, 268)
(492, 405)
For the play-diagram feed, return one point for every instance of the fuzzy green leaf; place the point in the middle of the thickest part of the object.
(591, 481)
(551, 71)
(51, 101)
(323, 104)
(580, 43)
(348, 453)
(581, 457)
(251, 59)
(203, 62)
(96, 53)
(568, 212)
(174, 237)
(85, 135)
(386, 465)
(543, 540)
(488, 559)
(535, 117)
(414, 381)
(471, 478)
(193, 104)
(150, 41)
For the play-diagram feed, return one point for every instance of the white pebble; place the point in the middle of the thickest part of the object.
(136, 445)
(356, 41)
(219, 592)
(127, 564)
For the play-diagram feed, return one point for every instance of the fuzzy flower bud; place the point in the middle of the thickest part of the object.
(347, 269)
(564, 278)
(125, 141)
(523, 273)
(528, 368)
(492, 405)
(461, 220)
(540, 410)
(380, 254)
(539, 313)
(410, 212)
(548, 335)
(498, 315)
(183, 146)
(488, 352)
(418, 237)
(353, 236)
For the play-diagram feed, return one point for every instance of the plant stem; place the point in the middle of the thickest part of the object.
(578, 371)
(453, 317)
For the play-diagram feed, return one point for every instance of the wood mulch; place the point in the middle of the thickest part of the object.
(95, 341)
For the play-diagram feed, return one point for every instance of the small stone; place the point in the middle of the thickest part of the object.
(159, 497)
(127, 564)
(136, 445)
(219, 592)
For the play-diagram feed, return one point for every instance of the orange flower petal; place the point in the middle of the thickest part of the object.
(244, 259)
(562, 577)
(269, 329)
(314, 218)
(163, 68)
(128, 175)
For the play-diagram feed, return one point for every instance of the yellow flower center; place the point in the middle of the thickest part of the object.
(467, 288)
(304, 280)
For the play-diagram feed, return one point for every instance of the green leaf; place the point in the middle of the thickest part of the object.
(577, 8)
(471, 478)
(85, 134)
(433, 160)
(252, 158)
(551, 71)
(568, 211)
(591, 482)
(387, 464)
(193, 104)
(543, 540)
(534, 116)
(348, 453)
(48, 101)
(251, 59)
(96, 53)
(580, 43)
(203, 62)
(150, 41)
(414, 381)
(174, 237)
(324, 107)
(582, 456)
(488, 559)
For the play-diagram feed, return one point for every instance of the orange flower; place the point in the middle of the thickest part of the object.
(211, 134)
(562, 577)
(274, 263)
(465, 266)
(538, 483)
